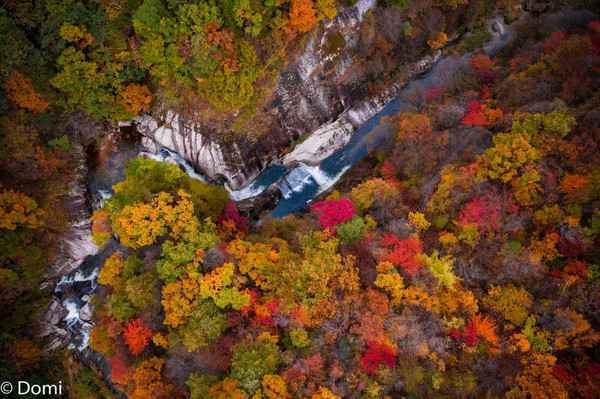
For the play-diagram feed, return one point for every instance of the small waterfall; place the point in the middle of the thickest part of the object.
(165, 155)
(295, 181)
(302, 176)
(77, 290)
(250, 191)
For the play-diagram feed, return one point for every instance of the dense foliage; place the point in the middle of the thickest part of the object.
(458, 260)
(487, 289)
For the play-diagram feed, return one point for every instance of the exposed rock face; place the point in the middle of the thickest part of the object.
(330, 137)
(76, 243)
(50, 325)
(321, 95)
(216, 160)
(315, 89)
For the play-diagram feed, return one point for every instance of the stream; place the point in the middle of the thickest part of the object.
(301, 184)
(298, 185)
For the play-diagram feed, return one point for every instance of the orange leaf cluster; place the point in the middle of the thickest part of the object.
(27, 353)
(303, 16)
(224, 40)
(137, 336)
(537, 380)
(412, 125)
(227, 389)
(574, 186)
(135, 98)
(479, 328)
(486, 328)
(101, 227)
(479, 114)
(481, 62)
(21, 91)
(148, 382)
(438, 40)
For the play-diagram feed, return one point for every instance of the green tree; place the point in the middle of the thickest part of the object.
(199, 385)
(205, 325)
(351, 231)
(251, 361)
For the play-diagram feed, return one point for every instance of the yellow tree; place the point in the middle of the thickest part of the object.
(179, 298)
(316, 276)
(111, 271)
(259, 260)
(274, 387)
(326, 8)
(18, 209)
(218, 285)
(141, 224)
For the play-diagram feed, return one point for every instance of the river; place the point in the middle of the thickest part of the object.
(298, 184)
(301, 184)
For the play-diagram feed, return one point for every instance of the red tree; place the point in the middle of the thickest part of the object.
(388, 171)
(120, 373)
(578, 268)
(377, 354)
(434, 93)
(232, 215)
(483, 66)
(137, 336)
(563, 374)
(333, 212)
(482, 212)
(553, 41)
(404, 253)
(475, 115)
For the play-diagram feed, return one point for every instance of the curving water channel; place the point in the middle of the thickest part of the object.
(301, 184)
(298, 184)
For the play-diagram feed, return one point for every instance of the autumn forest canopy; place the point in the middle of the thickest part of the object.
(459, 259)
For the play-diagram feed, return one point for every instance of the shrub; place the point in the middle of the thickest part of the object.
(299, 338)
(418, 221)
(441, 268)
(368, 192)
(559, 123)
(19, 210)
(204, 326)
(110, 274)
(199, 385)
